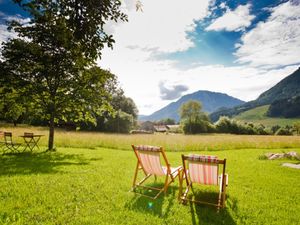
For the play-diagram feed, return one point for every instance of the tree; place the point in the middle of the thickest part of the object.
(52, 60)
(297, 127)
(126, 114)
(192, 118)
(12, 105)
(167, 121)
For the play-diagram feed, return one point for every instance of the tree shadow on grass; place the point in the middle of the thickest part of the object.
(205, 214)
(160, 206)
(38, 163)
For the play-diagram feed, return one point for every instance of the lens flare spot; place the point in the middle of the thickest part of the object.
(150, 205)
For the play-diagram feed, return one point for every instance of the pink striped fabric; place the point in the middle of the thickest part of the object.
(147, 148)
(203, 169)
(151, 162)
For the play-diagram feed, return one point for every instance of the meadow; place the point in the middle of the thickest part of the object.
(87, 181)
(258, 115)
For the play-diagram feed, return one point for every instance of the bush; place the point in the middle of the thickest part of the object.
(284, 131)
(231, 126)
(200, 126)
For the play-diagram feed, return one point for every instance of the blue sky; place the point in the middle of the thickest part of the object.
(172, 48)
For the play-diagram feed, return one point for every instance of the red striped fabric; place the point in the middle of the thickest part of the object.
(203, 158)
(203, 169)
(151, 162)
(147, 148)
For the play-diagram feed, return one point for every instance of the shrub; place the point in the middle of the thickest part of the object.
(284, 131)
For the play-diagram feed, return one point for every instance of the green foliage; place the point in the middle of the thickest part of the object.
(11, 106)
(297, 127)
(197, 127)
(166, 121)
(231, 126)
(191, 111)
(52, 60)
(258, 115)
(284, 131)
(193, 120)
(287, 108)
(121, 123)
(121, 120)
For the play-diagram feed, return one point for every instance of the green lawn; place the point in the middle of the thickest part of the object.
(91, 186)
(258, 115)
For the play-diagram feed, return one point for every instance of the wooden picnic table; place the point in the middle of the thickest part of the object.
(31, 140)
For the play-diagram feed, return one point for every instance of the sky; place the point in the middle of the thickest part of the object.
(172, 47)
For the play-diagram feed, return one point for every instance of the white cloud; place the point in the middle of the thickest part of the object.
(275, 42)
(140, 74)
(171, 92)
(4, 33)
(162, 25)
(235, 20)
(140, 78)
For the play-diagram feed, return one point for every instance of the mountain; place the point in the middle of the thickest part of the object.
(211, 101)
(286, 91)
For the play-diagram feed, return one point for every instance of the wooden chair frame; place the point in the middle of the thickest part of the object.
(3, 147)
(10, 145)
(169, 174)
(222, 191)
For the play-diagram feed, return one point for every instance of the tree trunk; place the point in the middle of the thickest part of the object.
(51, 132)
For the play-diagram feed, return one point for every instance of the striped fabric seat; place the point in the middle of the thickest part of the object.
(151, 162)
(203, 158)
(148, 148)
(203, 169)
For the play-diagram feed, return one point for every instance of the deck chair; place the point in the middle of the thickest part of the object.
(203, 170)
(149, 161)
(10, 145)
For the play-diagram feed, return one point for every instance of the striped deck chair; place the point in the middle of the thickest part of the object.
(203, 170)
(149, 161)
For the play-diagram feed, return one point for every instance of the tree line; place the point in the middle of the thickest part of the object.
(194, 121)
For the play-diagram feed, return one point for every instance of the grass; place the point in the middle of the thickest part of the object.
(171, 142)
(91, 186)
(258, 116)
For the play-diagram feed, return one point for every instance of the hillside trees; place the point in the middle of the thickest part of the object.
(52, 61)
(288, 108)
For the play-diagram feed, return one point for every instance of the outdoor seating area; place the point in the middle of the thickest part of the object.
(9, 145)
(196, 169)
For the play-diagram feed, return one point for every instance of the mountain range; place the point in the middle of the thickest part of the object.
(211, 101)
(283, 98)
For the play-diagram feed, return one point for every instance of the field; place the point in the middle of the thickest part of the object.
(258, 116)
(171, 142)
(87, 181)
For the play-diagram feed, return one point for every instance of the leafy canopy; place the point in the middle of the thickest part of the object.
(52, 61)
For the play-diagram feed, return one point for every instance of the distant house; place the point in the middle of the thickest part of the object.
(160, 128)
(150, 126)
(172, 127)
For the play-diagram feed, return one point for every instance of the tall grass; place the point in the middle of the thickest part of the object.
(170, 142)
